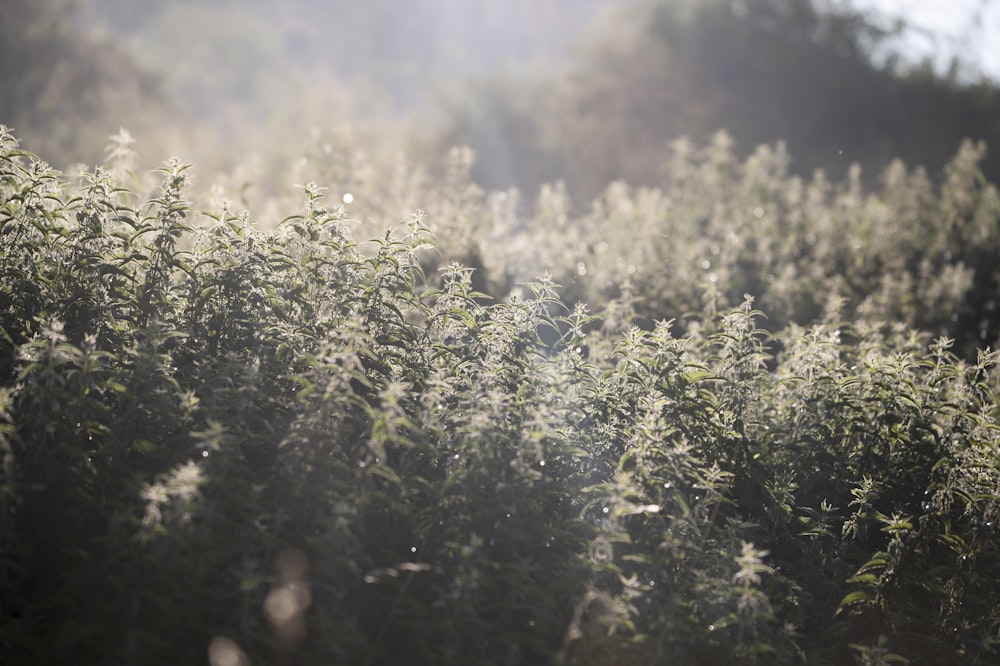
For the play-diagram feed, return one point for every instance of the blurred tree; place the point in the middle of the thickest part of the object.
(224, 65)
(65, 92)
(766, 70)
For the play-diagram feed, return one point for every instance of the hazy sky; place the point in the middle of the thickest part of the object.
(951, 18)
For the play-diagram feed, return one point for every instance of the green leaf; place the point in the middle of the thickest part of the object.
(856, 597)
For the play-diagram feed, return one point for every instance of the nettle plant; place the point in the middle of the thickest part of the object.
(915, 251)
(248, 446)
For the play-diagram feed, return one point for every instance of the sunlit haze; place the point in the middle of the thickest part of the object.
(967, 28)
(499, 332)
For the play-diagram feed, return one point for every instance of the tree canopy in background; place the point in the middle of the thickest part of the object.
(65, 90)
(585, 92)
(765, 70)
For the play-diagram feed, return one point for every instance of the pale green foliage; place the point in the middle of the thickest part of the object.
(289, 444)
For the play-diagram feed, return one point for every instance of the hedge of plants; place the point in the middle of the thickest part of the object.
(238, 442)
(921, 248)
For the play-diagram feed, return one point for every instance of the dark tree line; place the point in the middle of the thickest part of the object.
(765, 70)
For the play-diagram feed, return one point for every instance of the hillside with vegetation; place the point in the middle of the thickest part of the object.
(304, 444)
(728, 411)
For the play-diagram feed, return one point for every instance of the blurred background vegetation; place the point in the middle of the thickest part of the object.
(582, 91)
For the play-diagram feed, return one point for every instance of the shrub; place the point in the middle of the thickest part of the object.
(288, 445)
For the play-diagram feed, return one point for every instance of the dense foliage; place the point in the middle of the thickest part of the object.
(910, 251)
(292, 447)
(919, 249)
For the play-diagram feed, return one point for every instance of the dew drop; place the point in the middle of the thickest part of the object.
(204, 454)
(605, 509)
(541, 463)
(413, 549)
(348, 198)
